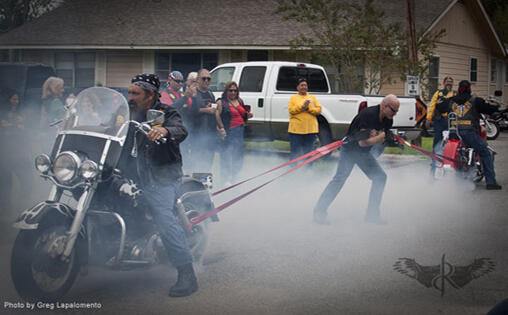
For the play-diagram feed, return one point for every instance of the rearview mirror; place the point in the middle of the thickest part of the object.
(498, 93)
(155, 117)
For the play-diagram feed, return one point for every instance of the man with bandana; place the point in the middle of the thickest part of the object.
(188, 106)
(158, 168)
(468, 109)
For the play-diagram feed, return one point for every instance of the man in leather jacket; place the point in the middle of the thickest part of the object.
(159, 170)
(468, 109)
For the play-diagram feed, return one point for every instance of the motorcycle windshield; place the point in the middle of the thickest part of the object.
(98, 111)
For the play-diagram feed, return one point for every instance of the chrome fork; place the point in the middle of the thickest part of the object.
(81, 209)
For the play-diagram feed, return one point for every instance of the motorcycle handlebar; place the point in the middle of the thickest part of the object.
(145, 129)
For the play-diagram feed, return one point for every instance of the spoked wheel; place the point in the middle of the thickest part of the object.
(197, 238)
(37, 270)
(492, 130)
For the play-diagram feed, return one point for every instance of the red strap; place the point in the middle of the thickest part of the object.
(317, 154)
(333, 145)
(437, 157)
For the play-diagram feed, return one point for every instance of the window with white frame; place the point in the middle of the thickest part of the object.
(493, 70)
(77, 69)
(473, 69)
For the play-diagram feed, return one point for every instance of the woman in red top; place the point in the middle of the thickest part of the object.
(231, 116)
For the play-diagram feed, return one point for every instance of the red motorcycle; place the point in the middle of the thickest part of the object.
(458, 156)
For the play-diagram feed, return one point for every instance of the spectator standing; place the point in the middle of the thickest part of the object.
(206, 135)
(231, 117)
(15, 157)
(188, 106)
(52, 105)
(303, 125)
(438, 119)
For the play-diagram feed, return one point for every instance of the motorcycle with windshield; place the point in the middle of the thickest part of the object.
(94, 215)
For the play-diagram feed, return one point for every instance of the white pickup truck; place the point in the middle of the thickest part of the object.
(267, 86)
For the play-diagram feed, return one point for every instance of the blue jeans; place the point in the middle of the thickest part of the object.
(368, 164)
(440, 125)
(161, 199)
(300, 144)
(473, 139)
(232, 154)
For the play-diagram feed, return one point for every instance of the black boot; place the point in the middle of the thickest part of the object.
(186, 283)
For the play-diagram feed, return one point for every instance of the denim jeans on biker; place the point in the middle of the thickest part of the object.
(440, 125)
(300, 144)
(161, 199)
(368, 164)
(475, 141)
(232, 154)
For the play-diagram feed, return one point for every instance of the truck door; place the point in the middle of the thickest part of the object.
(252, 84)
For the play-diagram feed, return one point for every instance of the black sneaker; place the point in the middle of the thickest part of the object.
(320, 218)
(494, 187)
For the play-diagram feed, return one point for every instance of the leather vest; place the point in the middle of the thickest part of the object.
(465, 114)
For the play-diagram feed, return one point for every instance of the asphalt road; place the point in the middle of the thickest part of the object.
(267, 257)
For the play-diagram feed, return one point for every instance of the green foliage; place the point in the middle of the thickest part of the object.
(14, 13)
(498, 13)
(357, 40)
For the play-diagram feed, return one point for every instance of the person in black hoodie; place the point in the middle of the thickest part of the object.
(158, 168)
(468, 109)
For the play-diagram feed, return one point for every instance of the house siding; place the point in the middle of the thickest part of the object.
(122, 66)
(463, 39)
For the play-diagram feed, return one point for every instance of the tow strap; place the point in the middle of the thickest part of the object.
(434, 156)
(313, 155)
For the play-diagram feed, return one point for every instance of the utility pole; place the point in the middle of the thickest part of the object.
(411, 35)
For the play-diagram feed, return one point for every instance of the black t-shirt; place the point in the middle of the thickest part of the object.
(208, 122)
(361, 126)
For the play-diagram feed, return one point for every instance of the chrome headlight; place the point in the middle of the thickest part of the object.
(66, 166)
(89, 169)
(42, 163)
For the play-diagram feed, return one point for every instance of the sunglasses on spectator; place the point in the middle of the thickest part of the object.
(178, 81)
(233, 90)
(206, 78)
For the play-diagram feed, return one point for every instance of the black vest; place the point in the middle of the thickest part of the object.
(465, 114)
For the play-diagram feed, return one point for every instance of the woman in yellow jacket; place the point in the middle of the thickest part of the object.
(303, 125)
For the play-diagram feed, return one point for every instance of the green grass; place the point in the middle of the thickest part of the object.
(283, 146)
(426, 145)
(272, 146)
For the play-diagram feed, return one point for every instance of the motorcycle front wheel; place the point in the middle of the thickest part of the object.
(492, 130)
(37, 271)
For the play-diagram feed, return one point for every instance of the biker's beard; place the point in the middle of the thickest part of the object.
(447, 89)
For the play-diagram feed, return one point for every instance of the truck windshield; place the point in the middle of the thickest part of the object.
(288, 79)
(220, 77)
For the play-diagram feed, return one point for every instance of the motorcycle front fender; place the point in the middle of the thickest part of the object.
(31, 217)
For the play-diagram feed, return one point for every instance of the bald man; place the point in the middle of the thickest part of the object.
(369, 127)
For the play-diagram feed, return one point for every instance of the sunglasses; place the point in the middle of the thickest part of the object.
(178, 81)
(206, 78)
(233, 90)
(393, 110)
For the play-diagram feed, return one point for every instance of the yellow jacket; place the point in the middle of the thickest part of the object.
(437, 96)
(303, 121)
